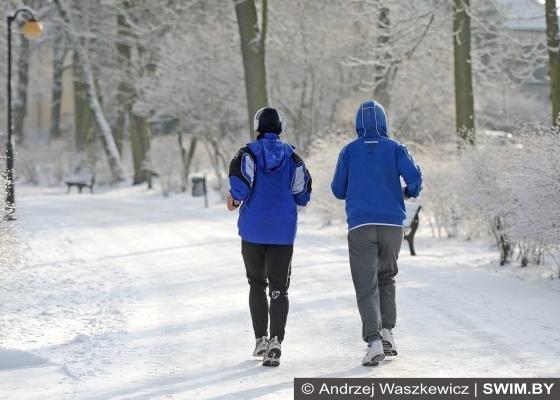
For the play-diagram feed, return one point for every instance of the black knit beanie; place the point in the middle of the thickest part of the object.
(269, 121)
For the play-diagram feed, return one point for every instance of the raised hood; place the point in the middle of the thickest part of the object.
(371, 120)
(271, 152)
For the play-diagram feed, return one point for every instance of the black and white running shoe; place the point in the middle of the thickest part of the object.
(388, 342)
(260, 347)
(374, 354)
(273, 352)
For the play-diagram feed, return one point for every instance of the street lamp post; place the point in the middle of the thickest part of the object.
(32, 29)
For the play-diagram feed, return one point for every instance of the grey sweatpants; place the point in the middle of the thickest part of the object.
(374, 250)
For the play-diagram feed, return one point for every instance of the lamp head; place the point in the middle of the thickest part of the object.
(32, 29)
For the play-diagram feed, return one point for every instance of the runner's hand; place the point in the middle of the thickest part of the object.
(405, 193)
(232, 204)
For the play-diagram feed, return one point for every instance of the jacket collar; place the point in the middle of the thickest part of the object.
(268, 135)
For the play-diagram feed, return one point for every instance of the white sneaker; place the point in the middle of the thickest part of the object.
(388, 342)
(374, 354)
(273, 352)
(260, 347)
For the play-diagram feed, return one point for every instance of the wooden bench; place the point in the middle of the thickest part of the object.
(411, 224)
(81, 178)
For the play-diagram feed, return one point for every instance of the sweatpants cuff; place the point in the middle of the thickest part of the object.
(372, 338)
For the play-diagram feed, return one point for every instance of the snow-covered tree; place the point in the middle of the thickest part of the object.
(197, 84)
(112, 152)
(307, 80)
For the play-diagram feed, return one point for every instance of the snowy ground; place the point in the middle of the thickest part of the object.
(124, 295)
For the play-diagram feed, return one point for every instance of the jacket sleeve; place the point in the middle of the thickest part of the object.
(241, 174)
(301, 183)
(339, 183)
(410, 171)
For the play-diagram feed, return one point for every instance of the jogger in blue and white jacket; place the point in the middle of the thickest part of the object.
(268, 181)
(368, 177)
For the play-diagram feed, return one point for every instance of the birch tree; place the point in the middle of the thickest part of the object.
(138, 129)
(110, 147)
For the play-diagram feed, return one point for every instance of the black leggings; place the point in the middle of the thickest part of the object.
(268, 265)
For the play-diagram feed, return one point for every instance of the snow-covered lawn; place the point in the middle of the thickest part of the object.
(127, 295)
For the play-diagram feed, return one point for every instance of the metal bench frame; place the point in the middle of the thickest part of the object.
(80, 184)
(412, 228)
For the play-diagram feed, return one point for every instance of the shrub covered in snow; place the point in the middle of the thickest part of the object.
(48, 164)
(439, 168)
(506, 185)
(321, 162)
(45, 164)
(165, 155)
(534, 184)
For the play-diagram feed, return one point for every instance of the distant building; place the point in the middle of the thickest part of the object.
(525, 20)
(37, 119)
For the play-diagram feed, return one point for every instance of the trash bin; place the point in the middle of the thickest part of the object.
(198, 186)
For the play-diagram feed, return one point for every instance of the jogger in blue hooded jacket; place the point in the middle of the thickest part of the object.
(368, 177)
(268, 181)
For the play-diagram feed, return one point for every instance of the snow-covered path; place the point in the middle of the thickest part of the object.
(125, 295)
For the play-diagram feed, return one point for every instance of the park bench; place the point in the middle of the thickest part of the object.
(411, 224)
(81, 178)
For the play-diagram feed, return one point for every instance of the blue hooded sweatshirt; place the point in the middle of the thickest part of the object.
(369, 170)
(271, 180)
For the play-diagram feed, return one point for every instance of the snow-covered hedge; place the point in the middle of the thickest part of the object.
(531, 177)
(507, 186)
(44, 164)
(321, 162)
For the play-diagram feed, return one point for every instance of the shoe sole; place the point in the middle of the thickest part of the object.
(388, 349)
(272, 359)
(259, 354)
(374, 362)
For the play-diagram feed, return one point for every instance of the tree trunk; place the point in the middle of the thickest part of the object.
(253, 54)
(464, 102)
(83, 120)
(139, 129)
(120, 123)
(111, 150)
(186, 158)
(125, 92)
(218, 161)
(81, 110)
(140, 138)
(383, 68)
(503, 241)
(553, 42)
(20, 103)
(59, 54)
